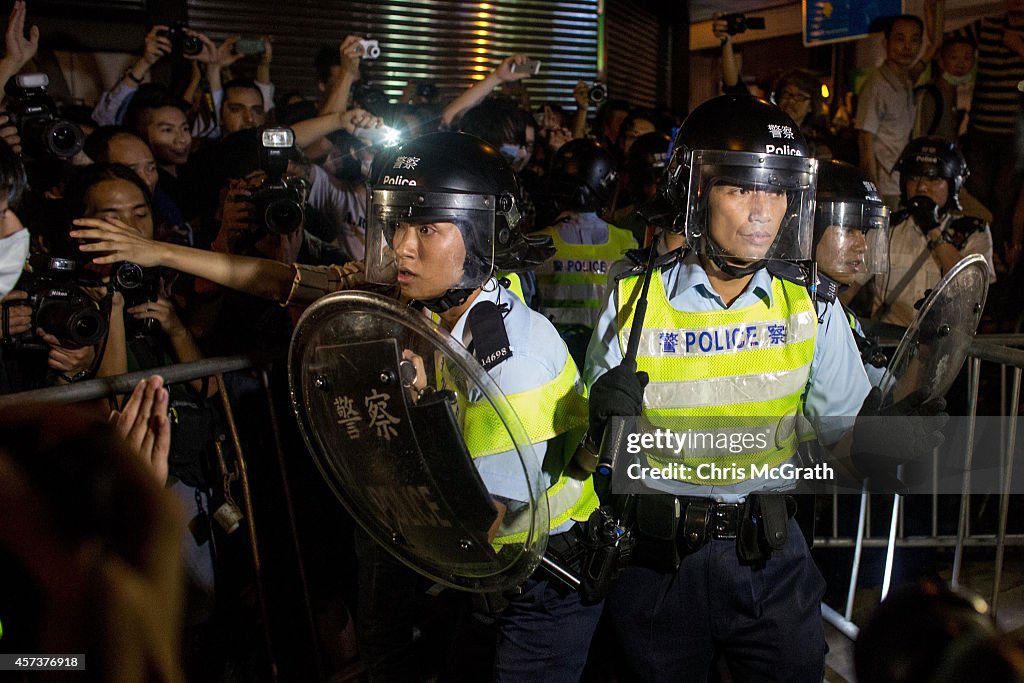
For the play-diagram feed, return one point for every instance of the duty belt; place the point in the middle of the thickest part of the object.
(672, 526)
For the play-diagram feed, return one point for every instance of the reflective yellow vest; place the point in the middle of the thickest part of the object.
(554, 408)
(751, 362)
(572, 284)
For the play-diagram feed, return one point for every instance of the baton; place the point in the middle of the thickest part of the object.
(615, 432)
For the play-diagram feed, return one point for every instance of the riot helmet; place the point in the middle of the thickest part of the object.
(851, 224)
(449, 178)
(582, 177)
(645, 163)
(742, 152)
(933, 157)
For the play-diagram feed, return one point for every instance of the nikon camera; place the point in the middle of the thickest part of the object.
(59, 305)
(42, 133)
(280, 202)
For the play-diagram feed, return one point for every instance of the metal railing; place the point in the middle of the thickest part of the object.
(994, 348)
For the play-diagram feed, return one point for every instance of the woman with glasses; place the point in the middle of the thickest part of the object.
(798, 93)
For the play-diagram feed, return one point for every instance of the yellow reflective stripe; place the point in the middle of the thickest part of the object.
(568, 498)
(716, 391)
(545, 412)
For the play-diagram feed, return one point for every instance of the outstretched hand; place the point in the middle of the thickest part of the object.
(113, 241)
(144, 426)
(18, 49)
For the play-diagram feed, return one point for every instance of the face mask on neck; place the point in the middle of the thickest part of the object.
(957, 80)
(13, 252)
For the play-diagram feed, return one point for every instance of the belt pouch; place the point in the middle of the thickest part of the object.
(657, 520)
(774, 520)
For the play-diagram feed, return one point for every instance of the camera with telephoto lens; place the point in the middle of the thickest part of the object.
(182, 42)
(280, 202)
(369, 49)
(59, 305)
(598, 92)
(34, 113)
(138, 286)
(740, 23)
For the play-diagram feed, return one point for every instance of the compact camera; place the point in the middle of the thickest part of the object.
(280, 202)
(59, 305)
(598, 92)
(739, 23)
(43, 134)
(182, 42)
(370, 49)
(530, 66)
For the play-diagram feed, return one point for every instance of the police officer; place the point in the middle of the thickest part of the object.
(722, 568)
(571, 286)
(851, 241)
(930, 233)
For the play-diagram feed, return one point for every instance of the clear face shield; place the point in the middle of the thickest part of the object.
(855, 240)
(429, 242)
(752, 206)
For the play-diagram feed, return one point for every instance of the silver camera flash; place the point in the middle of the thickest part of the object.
(278, 138)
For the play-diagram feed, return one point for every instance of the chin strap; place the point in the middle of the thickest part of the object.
(714, 252)
(450, 299)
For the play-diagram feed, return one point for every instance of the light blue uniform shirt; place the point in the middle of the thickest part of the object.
(538, 356)
(836, 386)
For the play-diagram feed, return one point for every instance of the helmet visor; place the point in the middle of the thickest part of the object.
(410, 238)
(854, 239)
(752, 206)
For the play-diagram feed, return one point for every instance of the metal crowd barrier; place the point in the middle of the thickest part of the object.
(208, 368)
(992, 348)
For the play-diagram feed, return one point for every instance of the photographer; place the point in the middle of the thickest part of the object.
(22, 369)
(162, 40)
(146, 331)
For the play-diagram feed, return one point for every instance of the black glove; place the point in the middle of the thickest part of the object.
(618, 392)
(906, 431)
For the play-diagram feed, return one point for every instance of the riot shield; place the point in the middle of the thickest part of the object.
(934, 347)
(436, 468)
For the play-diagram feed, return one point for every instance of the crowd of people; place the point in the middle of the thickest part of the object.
(179, 221)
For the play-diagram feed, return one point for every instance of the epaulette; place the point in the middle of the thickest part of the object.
(827, 289)
(968, 225)
(490, 345)
(638, 257)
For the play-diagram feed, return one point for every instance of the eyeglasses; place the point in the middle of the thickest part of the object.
(797, 97)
